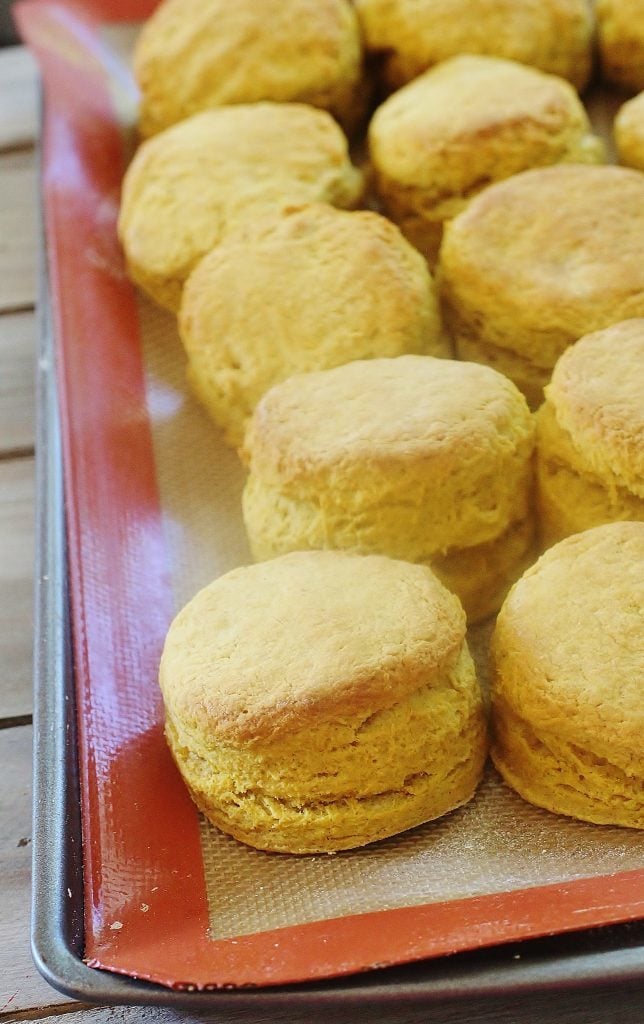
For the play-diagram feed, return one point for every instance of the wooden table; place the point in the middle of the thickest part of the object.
(23, 994)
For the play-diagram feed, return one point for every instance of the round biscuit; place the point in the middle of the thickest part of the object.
(413, 35)
(323, 700)
(539, 260)
(464, 124)
(193, 55)
(423, 459)
(192, 184)
(590, 434)
(567, 664)
(314, 288)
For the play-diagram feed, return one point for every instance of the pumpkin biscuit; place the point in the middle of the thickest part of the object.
(413, 35)
(311, 289)
(322, 701)
(464, 124)
(192, 184)
(193, 55)
(568, 664)
(590, 434)
(539, 260)
(422, 459)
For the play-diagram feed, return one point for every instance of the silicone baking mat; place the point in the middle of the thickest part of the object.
(153, 513)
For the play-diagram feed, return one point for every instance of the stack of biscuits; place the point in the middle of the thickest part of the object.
(409, 289)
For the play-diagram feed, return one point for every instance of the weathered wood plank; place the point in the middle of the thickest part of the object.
(17, 159)
(18, 237)
(21, 987)
(19, 92)
(17, 400)
(16, 586)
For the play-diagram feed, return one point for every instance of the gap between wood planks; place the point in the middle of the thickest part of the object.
(11, 454)
(40, 1012)
(10, 722)
(19, 307)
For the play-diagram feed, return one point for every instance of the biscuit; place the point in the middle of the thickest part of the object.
(628, 130)
(413, 35)
(620, 41)
(590, 434)
(321, 701)
(466, 123)
(193, 55)
(567, 666)
(305, 291)
(192, 184)
(539, 260)
(422, 459)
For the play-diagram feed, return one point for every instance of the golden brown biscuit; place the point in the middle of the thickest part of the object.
(464, 124)
(629, 132)
(193, 55)
(322, 701)
(413, 35)
(537, 261)
(192, 184)
(568, 665)
(620, 35)
(428, 460)
(309, 290)
(590, 435)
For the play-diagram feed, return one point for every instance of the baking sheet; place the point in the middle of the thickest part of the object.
(136, 445)
(577, 966)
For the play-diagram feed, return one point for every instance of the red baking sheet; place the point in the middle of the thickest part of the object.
(146, 911)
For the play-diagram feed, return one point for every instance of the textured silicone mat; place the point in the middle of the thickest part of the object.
(495, 844)
(153, 513)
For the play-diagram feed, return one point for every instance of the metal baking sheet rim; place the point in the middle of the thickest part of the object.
(585, 960)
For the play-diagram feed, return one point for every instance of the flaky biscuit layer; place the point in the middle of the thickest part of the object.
(541, 259)
(590, 434)
(418, 458)
(323, 700)
(568, 663)
(346, 783)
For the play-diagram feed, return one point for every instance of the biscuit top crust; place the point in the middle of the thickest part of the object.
(472, 120)
(307, 637)
(313, 280)
(315, 287)
(196, 54)
(553, 35)
(568, 646)
(413, 409)
(549, 256)
(621, 14)
(189, 185)
(597, 391)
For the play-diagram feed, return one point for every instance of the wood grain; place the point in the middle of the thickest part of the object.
(17, 411)
(16, 585)
(19, 92)
(21, 987)
(18, 218)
